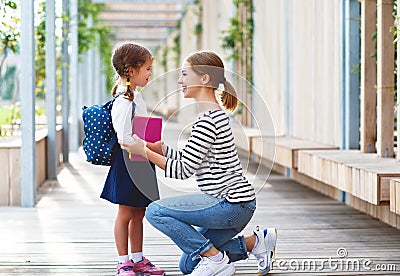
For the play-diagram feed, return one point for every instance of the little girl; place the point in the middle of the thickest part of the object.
(132, 63)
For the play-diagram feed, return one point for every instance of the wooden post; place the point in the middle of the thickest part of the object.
(385, 79)
(398, 87)
(368, 77)
(75, 108)
(351, 78)
(65, 84)
(27, 85)
(51, 90)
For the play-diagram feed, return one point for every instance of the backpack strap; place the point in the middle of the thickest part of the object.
(133, 109)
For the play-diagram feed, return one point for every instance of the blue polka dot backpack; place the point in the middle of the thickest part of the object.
(100, 136)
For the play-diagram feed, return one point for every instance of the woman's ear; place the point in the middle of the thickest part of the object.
(205, 79)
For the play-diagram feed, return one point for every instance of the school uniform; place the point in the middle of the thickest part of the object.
(128, 183)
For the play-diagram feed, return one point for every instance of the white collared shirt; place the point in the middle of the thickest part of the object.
(121, 114)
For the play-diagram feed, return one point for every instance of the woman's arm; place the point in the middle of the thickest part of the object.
(158, 159)
(156, 147)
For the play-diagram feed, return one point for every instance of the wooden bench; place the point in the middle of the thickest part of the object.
(362, 175)
(244, 137)
(10, 170)
(395, 195)
(286, 149)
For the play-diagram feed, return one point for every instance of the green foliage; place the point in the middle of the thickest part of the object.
(7, 83)
(233, 37)
(164, 60)
(95, 35)
(40, 50)
(177, 49)
(9, 29)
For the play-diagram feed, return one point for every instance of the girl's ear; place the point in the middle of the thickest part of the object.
(132, 71)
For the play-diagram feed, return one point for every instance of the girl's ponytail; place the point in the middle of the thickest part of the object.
(229, 97)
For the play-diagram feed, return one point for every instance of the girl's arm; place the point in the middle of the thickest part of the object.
(121, 115)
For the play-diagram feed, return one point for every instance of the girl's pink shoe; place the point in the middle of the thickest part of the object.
(125, 269)
(146, 267)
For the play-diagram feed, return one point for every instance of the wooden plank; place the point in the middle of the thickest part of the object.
(395, 195)
(368, 78)
(357, 173)
(287, 149)
(15, 177)
(5, 177)
(385, 79)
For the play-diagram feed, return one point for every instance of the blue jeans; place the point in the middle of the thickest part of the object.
(218, 220)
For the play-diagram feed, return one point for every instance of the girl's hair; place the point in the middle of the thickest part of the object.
(207, 62)
(125, 56)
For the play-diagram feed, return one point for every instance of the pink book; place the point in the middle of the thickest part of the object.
(148, 129)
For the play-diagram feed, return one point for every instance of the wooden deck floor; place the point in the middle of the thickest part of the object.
(70, 232)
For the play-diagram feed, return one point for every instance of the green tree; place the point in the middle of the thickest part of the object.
(9, 31)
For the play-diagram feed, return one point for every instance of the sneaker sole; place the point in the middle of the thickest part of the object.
(226, 272)
(146, 274)
(272, 237)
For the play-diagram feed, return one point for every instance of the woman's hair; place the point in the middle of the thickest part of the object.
(125, 56)
(206, 62)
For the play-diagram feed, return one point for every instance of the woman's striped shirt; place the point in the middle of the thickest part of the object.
(210, 153)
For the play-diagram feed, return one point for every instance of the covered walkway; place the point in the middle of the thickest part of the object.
(70, 232)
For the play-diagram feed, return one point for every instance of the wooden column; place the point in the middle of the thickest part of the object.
(368, 77)
(398, 87)
(65, 84)
(385, 79)
(75, 107)
(27, 92)
(351, 95)
(51, 90)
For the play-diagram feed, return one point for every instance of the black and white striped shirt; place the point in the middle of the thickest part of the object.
(211, 154)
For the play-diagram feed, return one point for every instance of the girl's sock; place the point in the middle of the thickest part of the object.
(217, 258)
(137, 257)
(123, 259)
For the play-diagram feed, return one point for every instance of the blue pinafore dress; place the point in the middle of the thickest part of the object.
(131, 183)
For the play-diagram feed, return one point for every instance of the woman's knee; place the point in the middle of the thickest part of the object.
(152, 211)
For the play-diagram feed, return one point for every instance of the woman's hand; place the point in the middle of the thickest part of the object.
(137, 147)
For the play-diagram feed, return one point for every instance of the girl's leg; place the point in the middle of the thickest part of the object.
(121, 229)
(136, 229)
(141, 264)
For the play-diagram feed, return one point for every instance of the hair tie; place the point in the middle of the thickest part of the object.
(128, 83)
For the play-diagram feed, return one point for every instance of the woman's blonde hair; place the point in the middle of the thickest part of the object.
(207, 62)
(125, 56)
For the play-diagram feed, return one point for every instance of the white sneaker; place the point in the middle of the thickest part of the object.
(206, 267)
(265, 249)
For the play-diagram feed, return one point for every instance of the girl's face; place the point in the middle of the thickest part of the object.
(190, 81)
(144, 73)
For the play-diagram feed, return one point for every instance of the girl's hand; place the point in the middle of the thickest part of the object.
(136, 148)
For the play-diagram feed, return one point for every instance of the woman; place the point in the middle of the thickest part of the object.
(228, 200)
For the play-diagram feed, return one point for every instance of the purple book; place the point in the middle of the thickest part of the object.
(148, 129)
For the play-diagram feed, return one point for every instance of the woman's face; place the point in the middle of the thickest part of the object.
(142, 77)
(189, 80)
